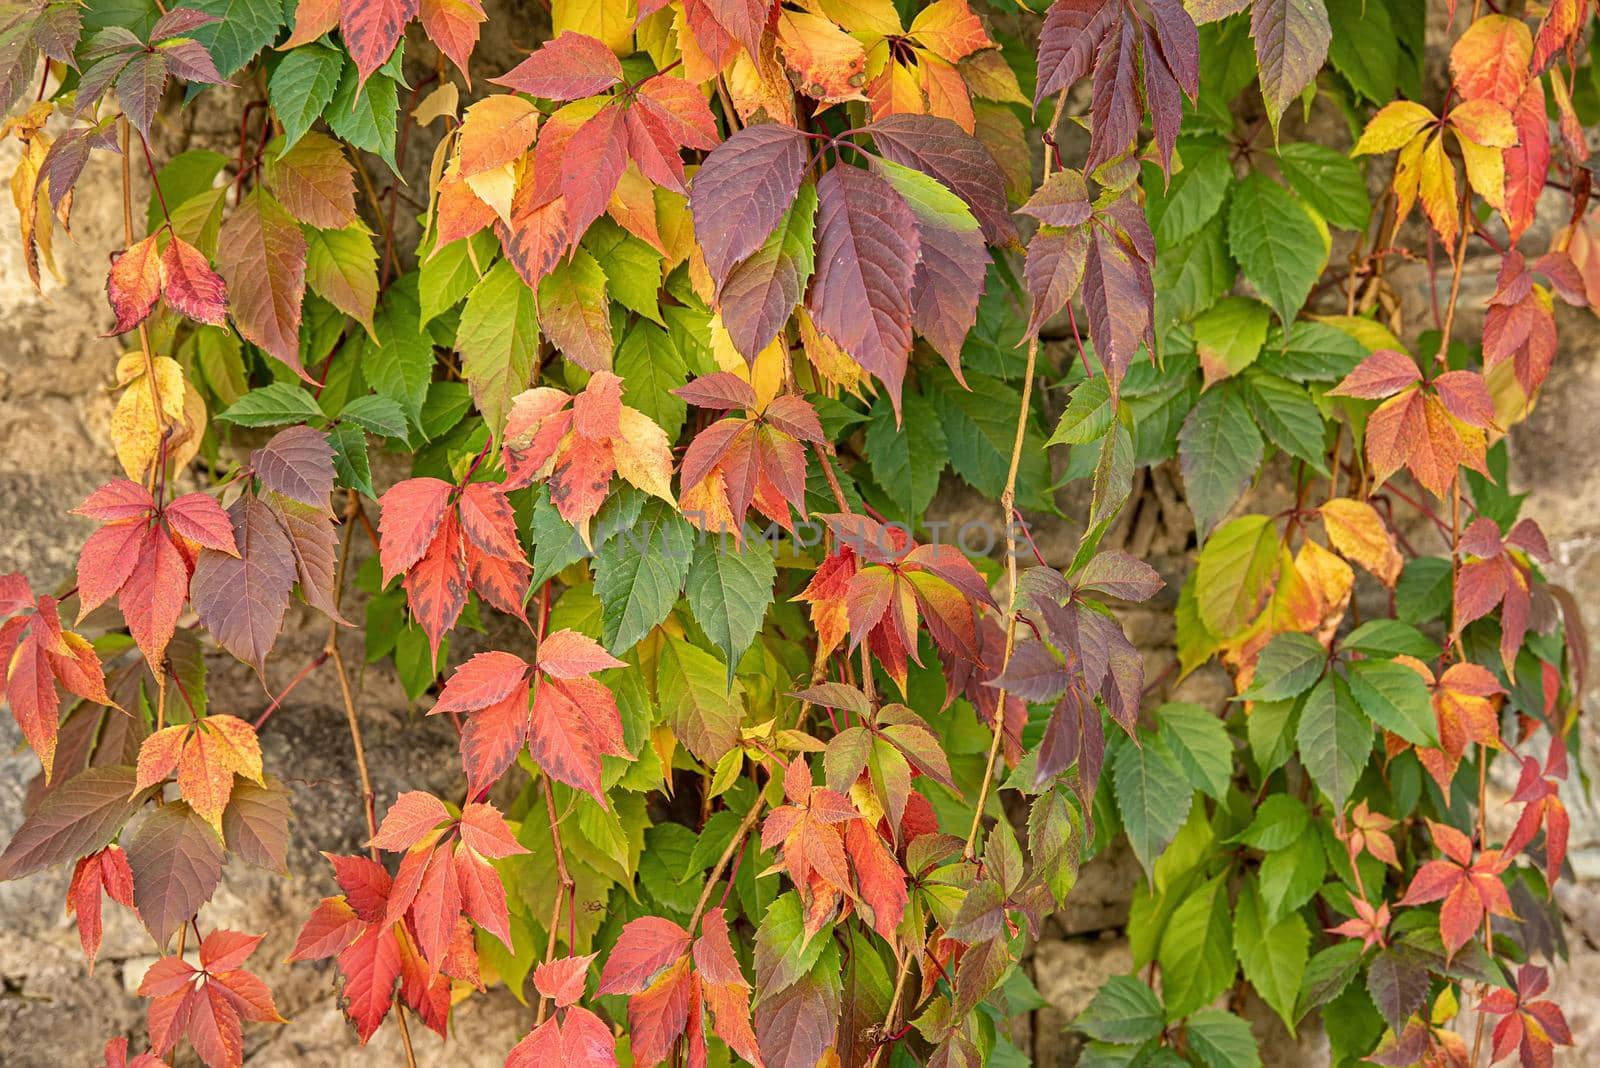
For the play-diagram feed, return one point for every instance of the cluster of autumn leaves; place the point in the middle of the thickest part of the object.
(843, 246)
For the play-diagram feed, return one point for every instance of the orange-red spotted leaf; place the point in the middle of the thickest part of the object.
(485, 830)
(436, 586)
(486, 679)
(566, 654)
(372, 28)
(314, 181)
(200, 519)
(134, 284)
(411, 512)
(645, 949)
(192, 287)
(575, 722)
(453, 25)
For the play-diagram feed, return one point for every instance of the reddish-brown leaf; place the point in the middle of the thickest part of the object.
(176, 858)
(570, 66)
(192, 287)
(313, 179)
(411, 512)
(241, 599)
(742, 190)
(372, 28)
(646, 947)
(562, 980)
(436, 586)
(867, 251)
(452, 25)
(262, 254)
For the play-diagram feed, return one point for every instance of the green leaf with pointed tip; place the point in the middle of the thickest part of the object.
(302, 87)
(1291, 876)
(637, 575)
(651, 368)
(450, 273)
(1228, 336)
(1201, 745)
(1193, 196)
(1396, 698)
(244, 27)
(1271, 954)
(1088, 414)
(1287, 415)
(367, 115)
(350, 460)
(1278, 245)
(1196, 952)
(632, 268)
(277, 404)
(1329, 181)
(1335, 739)
(1219, 451)
(730, 588)
(377, 413)
(1153, 794)
(980, 426)
(1290, 665)
(1222, 1040)
(1124, 1011)
(906, 460)
(398, 359)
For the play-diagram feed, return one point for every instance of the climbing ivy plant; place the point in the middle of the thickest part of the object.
(659, 375)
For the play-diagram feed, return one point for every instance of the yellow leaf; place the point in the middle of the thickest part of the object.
(827, 359)
(642, 454)
(609, 20)
(1408, 177)
(949, 30)
(496, 188)
(633, 206)
(1357, 531)
(766, 375)
(1371, 333)
(442, 103)
(697, 66)
(1484, 122)
(1491, 59)
(1437, 190)
(1397, 123)
(945, 91)
(867, 18)
(1486, 172)
(760, 90)
(135, 429)
(989, 75)
(827, 62)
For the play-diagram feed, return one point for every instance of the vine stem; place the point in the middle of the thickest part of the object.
(731, 851)
(1008, 507)
(567, 888)
(1455, 288)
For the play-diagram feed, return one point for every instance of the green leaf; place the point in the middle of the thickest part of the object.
(449, 273)
(350, 460)
(1271, 728)
(1088, 415)
(1272, 955)
(1396, 698)
(1311, 352)
(1389, 637)
(1222, 1040)
(1201, 745)
(302, 87)
(1196, 952)
(1291, 876)
(184, 177)
(1219, 451)
(651, 367)
(342, 268)
(1365, 49)
(906, 460)
(729, 589)
(244, 28)
(499, 341)
(1228, 336)
(273, 405)
(367, 115)
(1287, 667)
(784, 953)
(443, 408)
(1152, 792)
(1124, 1011)
(980, 426)
(376, 413)
(1329, 181)
(637, 575)
(1327, 974)
(574, 310)
(1424, 591)
(1279, 820)
(1190, 278)
(1335, 739)
(1193, 196)
(398, 358)
(632, 268)
(1278, 245)
(1291, 42)
(1286, 413)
